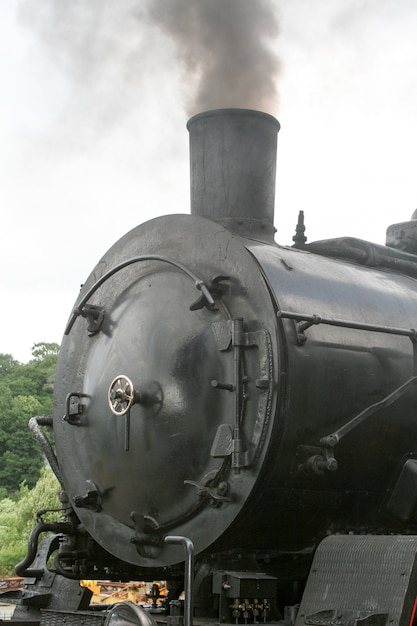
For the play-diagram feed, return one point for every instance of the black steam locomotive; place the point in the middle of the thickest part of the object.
(236, 417)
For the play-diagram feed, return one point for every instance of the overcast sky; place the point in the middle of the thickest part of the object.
(94, 98)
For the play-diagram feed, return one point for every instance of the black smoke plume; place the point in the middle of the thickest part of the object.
(117, 57)
(225, 48)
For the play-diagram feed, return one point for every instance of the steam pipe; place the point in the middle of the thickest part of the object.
(22, 568)
(189, 574)
(34, 425)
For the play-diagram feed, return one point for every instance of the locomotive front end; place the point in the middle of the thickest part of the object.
(217, 386)
(167, 379)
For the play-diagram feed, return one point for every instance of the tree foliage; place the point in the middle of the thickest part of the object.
(18, 518)
(25, 391)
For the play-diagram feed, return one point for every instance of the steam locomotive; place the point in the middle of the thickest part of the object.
(236, 417)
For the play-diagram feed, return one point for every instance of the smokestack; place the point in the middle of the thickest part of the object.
(233, 165)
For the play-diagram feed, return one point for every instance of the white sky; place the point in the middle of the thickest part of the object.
(83, 162)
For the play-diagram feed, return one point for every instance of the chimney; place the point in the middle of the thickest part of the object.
(232, 165)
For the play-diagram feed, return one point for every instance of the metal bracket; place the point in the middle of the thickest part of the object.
(231, 334)
(316, 460)
(74, 410)
(94, 315)
(92, 499)
(147, 537)
(217, 494)
(215, 288)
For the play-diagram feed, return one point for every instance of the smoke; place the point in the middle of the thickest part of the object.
(118, 56)
(225, 48)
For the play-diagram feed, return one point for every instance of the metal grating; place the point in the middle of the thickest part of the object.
(66, 618)
(356, 577)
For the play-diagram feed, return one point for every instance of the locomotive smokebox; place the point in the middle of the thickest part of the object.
(233, 166)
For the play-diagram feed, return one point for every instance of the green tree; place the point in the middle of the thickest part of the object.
(18, 518)
(42, 351)
(7, 362)
(25, 391)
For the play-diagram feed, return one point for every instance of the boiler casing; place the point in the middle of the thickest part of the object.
(230, 398)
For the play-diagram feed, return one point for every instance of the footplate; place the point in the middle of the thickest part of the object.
(357, 580)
